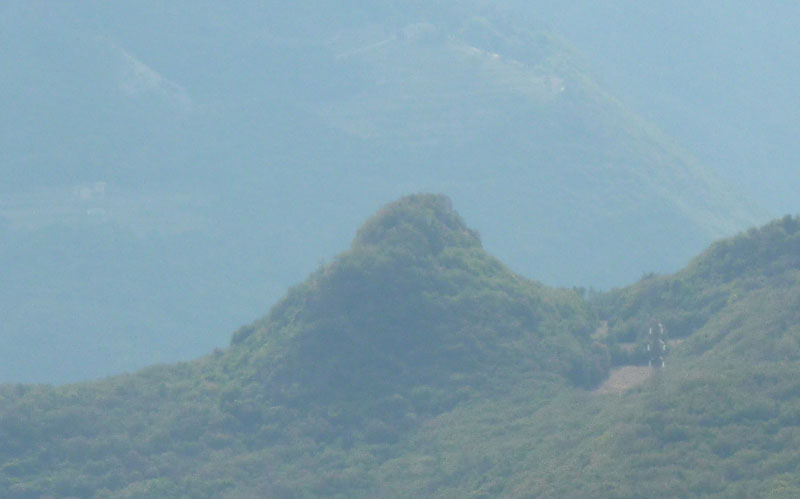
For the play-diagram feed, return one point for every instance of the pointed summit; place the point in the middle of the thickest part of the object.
(421, 222)
(416, 301)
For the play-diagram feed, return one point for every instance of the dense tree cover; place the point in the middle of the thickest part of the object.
(761, 258)
(414, 320)
(719, 421)
(417, 365)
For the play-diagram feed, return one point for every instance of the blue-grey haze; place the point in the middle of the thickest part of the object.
(720, 77)
(168, 169)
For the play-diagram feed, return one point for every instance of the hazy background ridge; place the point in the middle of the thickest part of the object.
(168, 170)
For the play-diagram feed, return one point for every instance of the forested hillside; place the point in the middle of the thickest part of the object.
(721, 420)
(417, 365)
(414, 320)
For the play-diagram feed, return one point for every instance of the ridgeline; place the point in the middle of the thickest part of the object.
(415, 364)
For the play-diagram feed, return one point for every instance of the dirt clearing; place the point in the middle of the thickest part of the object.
(624, 378)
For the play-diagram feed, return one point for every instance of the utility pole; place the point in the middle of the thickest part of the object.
(656, 345)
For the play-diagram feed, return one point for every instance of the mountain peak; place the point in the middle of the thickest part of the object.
(425, 223)
(416, 301)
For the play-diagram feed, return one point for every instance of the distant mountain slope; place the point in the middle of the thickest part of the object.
(207, 121)
(718, 77)
(504, 112)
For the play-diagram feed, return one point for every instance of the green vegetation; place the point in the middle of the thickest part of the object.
(764, 260)
(417, 365)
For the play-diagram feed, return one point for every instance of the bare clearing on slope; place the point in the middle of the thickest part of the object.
(624, 378)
